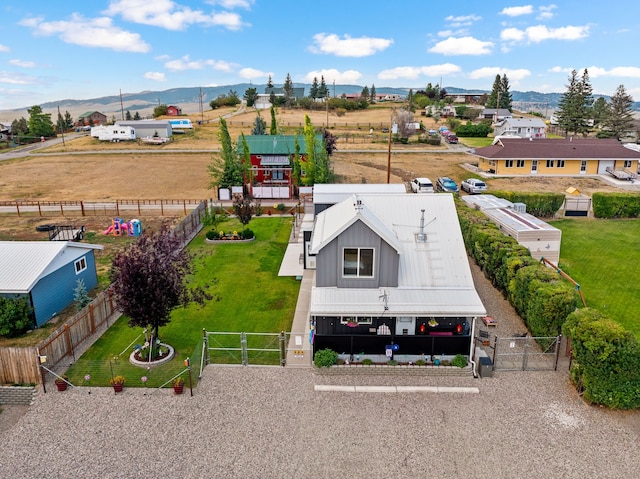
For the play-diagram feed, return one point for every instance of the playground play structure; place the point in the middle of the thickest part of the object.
(119, 227)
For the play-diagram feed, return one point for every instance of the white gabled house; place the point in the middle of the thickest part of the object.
(392, 270)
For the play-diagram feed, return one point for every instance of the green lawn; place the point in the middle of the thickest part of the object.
(602, 256)
(247, 295)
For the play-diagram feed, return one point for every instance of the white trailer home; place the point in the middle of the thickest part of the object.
(116, 133)
(181, 124)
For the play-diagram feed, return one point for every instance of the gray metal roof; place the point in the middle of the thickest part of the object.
(434, 276)
(332, 193)
(23, 263)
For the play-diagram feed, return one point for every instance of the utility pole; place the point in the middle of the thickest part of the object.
(389, 148)
(121, 106)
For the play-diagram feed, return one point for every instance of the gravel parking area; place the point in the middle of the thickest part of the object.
(262, 422)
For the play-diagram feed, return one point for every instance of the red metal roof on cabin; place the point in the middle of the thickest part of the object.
(580, 148)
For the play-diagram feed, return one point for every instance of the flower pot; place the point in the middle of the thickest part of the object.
(61, 385)
(118, 387)
(178, 388)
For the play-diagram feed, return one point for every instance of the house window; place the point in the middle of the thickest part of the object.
(357, 262)
(627, 163)
(277, 174)
(560, 163)
(549, 163)
(353, 320)
(80, 265)
(519, 163)
(508, 163)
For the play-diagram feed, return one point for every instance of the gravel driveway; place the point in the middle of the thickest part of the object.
(264, 422)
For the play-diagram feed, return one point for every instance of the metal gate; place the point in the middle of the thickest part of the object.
(526, 353)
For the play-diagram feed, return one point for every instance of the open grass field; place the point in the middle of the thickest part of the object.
(601, 255)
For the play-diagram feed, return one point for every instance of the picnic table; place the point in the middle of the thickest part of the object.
(489, 321)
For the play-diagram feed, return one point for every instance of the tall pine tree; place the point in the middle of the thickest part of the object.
(619, 118)
(574, 107)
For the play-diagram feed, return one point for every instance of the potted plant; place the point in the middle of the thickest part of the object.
(178, 385)
(61, 382)
(117, 382)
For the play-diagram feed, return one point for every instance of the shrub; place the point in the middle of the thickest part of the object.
(325, 358)
(459, 360)
(247, 233)
(538, 204)
(420, 362)
(616, 205)
(15, 316)
(367, 362)
(392, 362)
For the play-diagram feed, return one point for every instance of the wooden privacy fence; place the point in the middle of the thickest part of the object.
(99, 208)
(20, 365)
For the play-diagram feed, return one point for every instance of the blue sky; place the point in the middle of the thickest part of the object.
(80, 50)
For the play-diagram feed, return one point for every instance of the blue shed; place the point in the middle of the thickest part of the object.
(46, 272)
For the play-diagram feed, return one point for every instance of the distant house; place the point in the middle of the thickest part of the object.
(5, 131)
(577, 156)
(149, 128)
(272, 163)
(495, 114)
(262, 102)
(46, 272)
(392, 270)
(92, 118)
(381, 97)
(521, 127)
(174, 110)
(469, 98)
(296, 92)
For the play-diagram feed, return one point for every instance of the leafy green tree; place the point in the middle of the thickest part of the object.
(40, 123)
(158, 111)
(149, 279)
(288, 91)
(317, 165)
(619, 119)
(227, 169)
(19, 127)
(313, 91)
(250, 96)
(259, 126)
(296, 172)
(243, 208)
(274, 125)
(15, 316)
(574, 107)
(373, 93)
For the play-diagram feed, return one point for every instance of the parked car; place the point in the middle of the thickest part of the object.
(432, 132)
(473, 186)
(451, 139)
(446, 185)
(422, 185)
(443, 128)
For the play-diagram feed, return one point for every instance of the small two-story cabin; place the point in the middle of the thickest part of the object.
(392, 270)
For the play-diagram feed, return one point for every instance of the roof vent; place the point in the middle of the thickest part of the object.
(421, 237)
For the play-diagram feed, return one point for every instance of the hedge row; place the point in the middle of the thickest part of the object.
(606, 364)
(538, 204)
(538, 294)
(616, 205)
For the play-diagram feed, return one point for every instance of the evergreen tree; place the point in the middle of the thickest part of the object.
(40, 123)
(313, 91)
(373, 93)
(296, 172)
(574, 107)
(274, 126)
(137, 116)
(127, 115)
(68, 120)
(410, 105)
(323, 91)
(269, 82)
(310, 144)
(288, 91)
(250, 96)
(619, 117)
(600, 110)
(227, 169)
(80, 296)
(259, 126)
(492, 100)
(364, 95)
(60, 125)
(19, 127)
(505, 95)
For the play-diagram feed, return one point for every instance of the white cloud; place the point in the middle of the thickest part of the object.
(462, 20)
(22, 63)
(514, 76)
(546, 12)
(453, 33)
(4, 48)
(462, 46)
(540, 33)
(517, 11)
(348, 47)
(170, 15)
(558, 69)
(96, 32)
(412, 72)
(252, 73)
(231, 4)
(185, 63)
(156, 76)
(625, 72)
(332, 75)
(17, 79)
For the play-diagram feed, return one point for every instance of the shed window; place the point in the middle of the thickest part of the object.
(549, 163)
(560, 163)
(519, 163)
(508, 163)
(80, 265)
(357, 262)
(627, 163)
